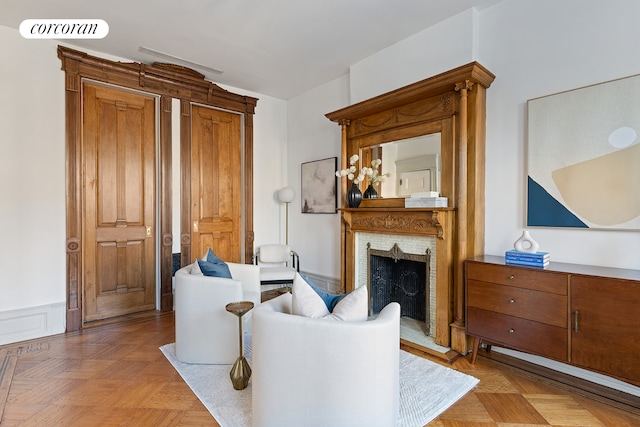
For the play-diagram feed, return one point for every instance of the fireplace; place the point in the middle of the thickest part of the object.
(415, 232)
(396, 276)
(414, 247)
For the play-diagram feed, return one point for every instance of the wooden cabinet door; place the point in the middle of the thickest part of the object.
(606, 326)
(119, 202)
(216, 183)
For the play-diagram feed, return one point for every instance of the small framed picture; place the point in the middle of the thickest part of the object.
(319, 186)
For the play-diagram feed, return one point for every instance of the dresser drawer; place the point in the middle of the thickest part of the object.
(517, 333)
(521, 277)
(541, 307)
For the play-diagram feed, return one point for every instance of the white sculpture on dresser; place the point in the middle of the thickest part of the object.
(526, 243)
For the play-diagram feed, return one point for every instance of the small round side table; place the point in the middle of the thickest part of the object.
(241, 371)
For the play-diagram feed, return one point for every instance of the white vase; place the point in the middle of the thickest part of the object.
(525, 243)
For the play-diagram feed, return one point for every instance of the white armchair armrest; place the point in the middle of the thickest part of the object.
(249, 276)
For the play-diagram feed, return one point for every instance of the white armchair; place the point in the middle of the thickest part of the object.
(205, 332)
(317, 372)
(278, 264)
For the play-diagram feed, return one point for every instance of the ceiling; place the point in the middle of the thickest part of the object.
(279, 48)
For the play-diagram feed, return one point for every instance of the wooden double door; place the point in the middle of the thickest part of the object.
(120, 197)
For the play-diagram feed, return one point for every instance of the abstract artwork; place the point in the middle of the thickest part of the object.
(319, 186)
(584, 157)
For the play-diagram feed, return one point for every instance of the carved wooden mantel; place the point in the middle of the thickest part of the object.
(414, 222)
(452, 104)
(436, 223)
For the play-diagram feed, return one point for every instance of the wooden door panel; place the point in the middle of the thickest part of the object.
(119, 158)
(221, 243)
(216, 183)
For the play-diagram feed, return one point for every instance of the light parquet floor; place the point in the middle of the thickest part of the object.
(115, 375)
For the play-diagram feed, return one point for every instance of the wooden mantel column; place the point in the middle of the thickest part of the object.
(344, 125)
(458, 334)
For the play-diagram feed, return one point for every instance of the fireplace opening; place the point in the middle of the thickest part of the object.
(395, 276)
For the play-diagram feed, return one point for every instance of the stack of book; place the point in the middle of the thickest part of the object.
(528, 259)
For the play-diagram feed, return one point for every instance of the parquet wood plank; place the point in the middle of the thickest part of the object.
(510, 408)
(562, 410)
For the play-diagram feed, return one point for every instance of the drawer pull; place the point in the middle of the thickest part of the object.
(511, 277)
(575, 323)
(512, 301)
(511, 331)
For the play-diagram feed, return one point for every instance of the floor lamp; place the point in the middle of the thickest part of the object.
(286, 196)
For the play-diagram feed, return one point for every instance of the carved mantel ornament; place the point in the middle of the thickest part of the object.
(398, 223)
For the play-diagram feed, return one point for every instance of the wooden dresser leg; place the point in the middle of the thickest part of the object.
(476, 346)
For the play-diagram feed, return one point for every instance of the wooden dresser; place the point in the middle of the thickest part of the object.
(581, 315)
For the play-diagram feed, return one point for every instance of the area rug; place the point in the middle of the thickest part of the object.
(426, 389)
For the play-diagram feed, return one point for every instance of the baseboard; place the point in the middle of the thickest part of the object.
(329, 284)
(32, 322)
(574, 371)
(611, 392)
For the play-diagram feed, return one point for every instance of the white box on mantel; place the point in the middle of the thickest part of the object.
(424, 194)
(426, 202)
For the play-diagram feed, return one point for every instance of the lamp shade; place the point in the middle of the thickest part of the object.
(286, 195)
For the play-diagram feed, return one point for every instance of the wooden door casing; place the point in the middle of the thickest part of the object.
(216, 183)
(169, 82)
(119, 141)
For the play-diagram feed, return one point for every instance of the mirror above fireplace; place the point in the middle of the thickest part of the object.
(414, 164)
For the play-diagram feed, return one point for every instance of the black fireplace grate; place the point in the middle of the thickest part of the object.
(395, 276)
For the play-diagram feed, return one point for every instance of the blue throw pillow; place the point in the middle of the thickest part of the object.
(329, 299)
(214, 266)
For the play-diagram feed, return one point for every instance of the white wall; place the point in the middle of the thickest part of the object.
(315, 237)
(446, 45)
(269, 168)
(32, 173)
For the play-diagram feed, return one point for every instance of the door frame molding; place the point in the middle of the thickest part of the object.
(168, 81)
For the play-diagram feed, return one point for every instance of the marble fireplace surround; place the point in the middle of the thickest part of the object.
(414, 230)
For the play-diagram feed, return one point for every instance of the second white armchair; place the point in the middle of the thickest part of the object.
(205, 332)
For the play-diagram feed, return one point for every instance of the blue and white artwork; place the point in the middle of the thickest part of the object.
(584, 157)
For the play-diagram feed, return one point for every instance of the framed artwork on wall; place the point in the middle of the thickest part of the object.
(583, 157)
(319, 186)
